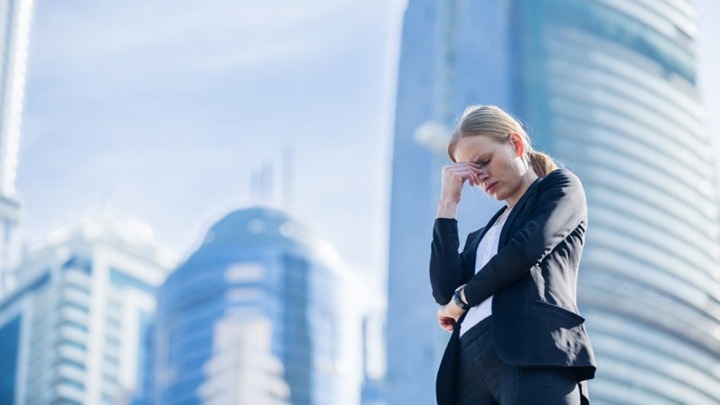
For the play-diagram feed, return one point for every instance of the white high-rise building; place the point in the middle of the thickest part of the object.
(15, 16)
(72, 331)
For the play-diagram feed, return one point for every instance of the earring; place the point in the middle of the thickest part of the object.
(519, 165)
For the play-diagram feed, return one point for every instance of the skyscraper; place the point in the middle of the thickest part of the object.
(609, 89)
(453, 54)
(262, 311)
(373, 359)
(71, 331)
(15, 18)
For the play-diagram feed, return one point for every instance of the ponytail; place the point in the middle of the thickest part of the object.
(541, 163)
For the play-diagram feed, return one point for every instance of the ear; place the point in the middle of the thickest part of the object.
(517, 143)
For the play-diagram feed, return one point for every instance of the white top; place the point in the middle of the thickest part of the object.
(487, 248)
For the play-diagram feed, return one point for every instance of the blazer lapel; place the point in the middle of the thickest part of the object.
(517, 209)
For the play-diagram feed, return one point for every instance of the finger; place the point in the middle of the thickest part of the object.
(471, 176)
(449, 326)
(476, 175)
(465, 173)
(475, 179)
(446, 320)
(474, 169)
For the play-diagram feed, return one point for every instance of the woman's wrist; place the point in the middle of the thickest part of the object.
(458, 298)
(454, 310)
(447, 208)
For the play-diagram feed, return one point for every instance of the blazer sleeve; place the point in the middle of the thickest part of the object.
(449, 269)
(559, 208)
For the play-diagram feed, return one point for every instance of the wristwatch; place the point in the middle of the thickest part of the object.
(458, 299)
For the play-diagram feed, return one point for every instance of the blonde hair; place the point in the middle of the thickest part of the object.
(493, 122)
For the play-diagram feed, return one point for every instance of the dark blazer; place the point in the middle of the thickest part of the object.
(532, 279)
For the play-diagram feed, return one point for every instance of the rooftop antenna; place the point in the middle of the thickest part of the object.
(254, 185)
(267, 183)
(261, 184)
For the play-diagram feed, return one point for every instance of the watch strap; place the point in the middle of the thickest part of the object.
(457, 298)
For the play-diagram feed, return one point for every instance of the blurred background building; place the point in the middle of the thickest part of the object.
(15, 16)
(373, 356)
(609, 89)
(256, 315)
(71, 332)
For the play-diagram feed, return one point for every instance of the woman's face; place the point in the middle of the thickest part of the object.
(496, 173)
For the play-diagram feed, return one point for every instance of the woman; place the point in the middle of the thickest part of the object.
(509, 297)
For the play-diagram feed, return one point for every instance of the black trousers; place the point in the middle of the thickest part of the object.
(485, 379)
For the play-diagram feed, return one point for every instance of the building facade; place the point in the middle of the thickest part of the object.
(261, 313)
(609, 88)
(71, 331)
(373, 343)
(15, 16)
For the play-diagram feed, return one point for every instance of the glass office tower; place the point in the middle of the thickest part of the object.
(261, 313)
(15, 16)
(436, 81)
(71, 332)
(608, 88)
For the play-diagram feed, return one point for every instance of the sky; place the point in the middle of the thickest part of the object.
(165, 110)
(709, 69)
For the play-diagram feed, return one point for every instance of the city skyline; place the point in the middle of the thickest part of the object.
(126, 121)
(99, 131)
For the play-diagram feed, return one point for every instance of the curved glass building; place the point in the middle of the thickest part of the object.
(616, 96)
(609, 88)
(258, 314)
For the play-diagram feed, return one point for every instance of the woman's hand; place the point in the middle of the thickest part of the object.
(448, 315)
(453, 177)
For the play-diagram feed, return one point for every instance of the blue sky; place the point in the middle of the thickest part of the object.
(709, 67)
(165, 109)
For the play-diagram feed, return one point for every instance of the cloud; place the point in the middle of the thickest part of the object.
(167, 107)
(242, 31)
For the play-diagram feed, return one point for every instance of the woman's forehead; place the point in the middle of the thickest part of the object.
(470, 148)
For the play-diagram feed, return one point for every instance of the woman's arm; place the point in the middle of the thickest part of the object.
(446, 264)
(559, 209)
(448, 269)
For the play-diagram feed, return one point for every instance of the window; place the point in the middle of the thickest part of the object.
(74, 344)
(72, 383)
(73, 364)
(78, 262)
(74, 325)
